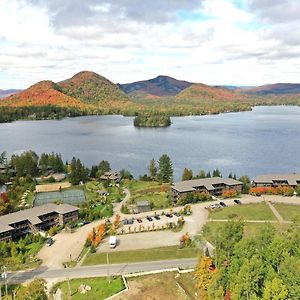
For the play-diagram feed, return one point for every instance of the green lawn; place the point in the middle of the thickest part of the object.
(158, 199)
(211, 229)
(143, 187)
(100, 288)
(287, 211)
(257, 211)
(171, 252)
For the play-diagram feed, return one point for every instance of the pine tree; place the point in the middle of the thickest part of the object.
(152, 169)
(165, 169)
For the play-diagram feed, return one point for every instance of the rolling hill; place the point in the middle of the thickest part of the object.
(158, 86)
(92, 88)
(42, 93)
(201, 92)
(273, 89)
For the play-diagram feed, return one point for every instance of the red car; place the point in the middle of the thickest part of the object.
(139, 220)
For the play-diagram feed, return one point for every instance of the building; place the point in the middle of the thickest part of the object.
(143, 206)
(274, 180)
(215, 186)
(41, 218)
(115, 176)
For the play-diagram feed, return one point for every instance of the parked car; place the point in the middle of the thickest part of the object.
(177, 214)
(139, 220)
(169, 215)
(157, 217)
(212, 206)
(130, 221)
(236, 201)
(86, 222)
(49, 242)
(149, 219)
(125, 222)
(222, 204)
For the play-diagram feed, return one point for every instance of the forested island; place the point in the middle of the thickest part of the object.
(152, 121)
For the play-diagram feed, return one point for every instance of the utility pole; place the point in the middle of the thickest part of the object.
(0, 291)
(108, 275)
(4, 276)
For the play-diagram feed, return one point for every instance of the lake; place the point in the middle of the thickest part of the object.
(260, 141)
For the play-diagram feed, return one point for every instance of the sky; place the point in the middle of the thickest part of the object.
(217, 42)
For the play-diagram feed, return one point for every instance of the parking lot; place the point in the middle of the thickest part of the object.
(150, 222)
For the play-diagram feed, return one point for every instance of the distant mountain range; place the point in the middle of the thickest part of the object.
(6, 93)
(95, 94)
(274, 89)
(158, 86)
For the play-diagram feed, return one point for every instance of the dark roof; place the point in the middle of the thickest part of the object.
(208, 183)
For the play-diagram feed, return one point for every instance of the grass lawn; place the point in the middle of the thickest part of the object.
(211, 229)
(287, 211)
(171, 252)
(257, 211)
(143, 187)
(100, 288)
(158, 199)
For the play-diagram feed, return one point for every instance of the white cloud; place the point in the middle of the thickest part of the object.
(214, 41)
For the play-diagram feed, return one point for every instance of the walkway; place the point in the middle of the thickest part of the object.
(276, 213)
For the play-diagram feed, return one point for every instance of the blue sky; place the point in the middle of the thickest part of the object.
(246, 42)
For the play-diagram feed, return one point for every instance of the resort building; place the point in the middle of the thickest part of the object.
(111, 176)
(41, 218)
(215, 186)
(275, 180)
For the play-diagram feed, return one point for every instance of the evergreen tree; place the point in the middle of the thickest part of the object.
(217, 173)
(152, 169)
(94, 171)
(165, 169)
(104, 166)
(208, 175)
(275, 290)
(246, 184)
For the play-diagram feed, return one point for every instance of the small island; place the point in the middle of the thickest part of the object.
(152, 121)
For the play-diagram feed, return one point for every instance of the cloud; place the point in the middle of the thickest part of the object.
(210, 41)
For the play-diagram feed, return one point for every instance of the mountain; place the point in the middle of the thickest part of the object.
(6, 93)
(41, 94)
(92, 88)
(158, 86)
(273, 89)
(199, 91)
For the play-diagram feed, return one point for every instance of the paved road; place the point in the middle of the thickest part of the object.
(100, 270)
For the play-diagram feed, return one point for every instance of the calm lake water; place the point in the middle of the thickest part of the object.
(266, 139)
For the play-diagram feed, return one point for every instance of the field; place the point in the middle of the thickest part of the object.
(288, 212)
(73, 197)
(100, 288)
(167, 286)
(171, 252)
(156, 193)
(52, 187)
(259, 211)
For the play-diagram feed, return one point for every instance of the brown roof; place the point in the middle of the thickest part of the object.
(208, 183)
(270, 178)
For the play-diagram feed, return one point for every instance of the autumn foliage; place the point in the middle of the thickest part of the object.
(96, 236)
(269, 190)
(117, 220)
(229, 193)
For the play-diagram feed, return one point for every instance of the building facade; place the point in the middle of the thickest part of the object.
(40, 218)
(215, 186)
(275, 180)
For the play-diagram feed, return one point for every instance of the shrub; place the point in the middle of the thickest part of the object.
(229, 193)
